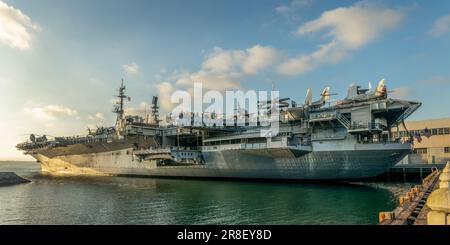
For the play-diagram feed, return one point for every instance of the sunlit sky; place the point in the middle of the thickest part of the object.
(62, 61)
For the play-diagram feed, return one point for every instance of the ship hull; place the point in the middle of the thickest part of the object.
(273, 163)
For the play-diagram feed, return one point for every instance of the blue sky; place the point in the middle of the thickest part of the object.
(61, 61)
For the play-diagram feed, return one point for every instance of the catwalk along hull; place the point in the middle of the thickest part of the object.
(271, 163)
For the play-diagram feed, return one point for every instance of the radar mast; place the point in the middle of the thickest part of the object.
(155, 110)
(118, 108)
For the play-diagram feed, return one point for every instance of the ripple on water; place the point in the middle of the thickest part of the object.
(119, 200)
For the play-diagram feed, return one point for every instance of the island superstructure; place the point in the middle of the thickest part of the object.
(346, 139)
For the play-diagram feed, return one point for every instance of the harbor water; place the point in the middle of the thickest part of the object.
(130, 200)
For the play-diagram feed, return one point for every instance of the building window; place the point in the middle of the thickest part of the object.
(446, 130)
(447, 149)
(420, 150)
(434, 131)
(440, 131)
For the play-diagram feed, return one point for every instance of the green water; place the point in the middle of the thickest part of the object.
(121, 200)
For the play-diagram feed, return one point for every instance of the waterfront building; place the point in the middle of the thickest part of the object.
(431, 140)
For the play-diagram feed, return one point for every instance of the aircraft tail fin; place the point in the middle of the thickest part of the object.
(381, 88)
(325, 95)
(308, 99)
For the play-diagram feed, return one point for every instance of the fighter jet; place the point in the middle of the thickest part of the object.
(324, 97)
(301, 111)
(280, 103)
(357, 94)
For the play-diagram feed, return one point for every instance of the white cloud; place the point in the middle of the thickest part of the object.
(350, 28)
(221, 70)
(185, 81)
(15, 27)
(51, 112)
(165, 90)
(221, 60)
(259, 57)
(211, 80)
(97, 116)
(248, 61)
(160, 74)
(142, 110)
(287, 10)
(114, 101)
(329, 53)
(354, 26)
(402, 92)
(131, 68)
(298, 65)
(440, 27)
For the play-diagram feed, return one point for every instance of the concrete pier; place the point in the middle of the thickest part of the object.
(411, 171)
(11, 178)
(412, 209)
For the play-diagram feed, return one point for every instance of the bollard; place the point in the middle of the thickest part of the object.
(382, 216)
(410, 195)
(402, 200)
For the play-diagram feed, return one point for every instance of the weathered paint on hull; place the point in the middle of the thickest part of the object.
(260, 164)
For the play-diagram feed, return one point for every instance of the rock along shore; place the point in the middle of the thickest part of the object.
(11, 178)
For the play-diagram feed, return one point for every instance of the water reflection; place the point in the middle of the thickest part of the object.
(121, 200)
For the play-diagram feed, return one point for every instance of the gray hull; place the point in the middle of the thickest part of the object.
(273, 163)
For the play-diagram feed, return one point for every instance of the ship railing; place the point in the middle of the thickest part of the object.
(63, 141)
(255, 146)
(185, 148)
(343, 120)
(101, 138)
(322, 115)
(330, 115)
(232, 146)
(153, 151)
(361, 126)
(223, 147)
(28, 145)
(383, 141)
(84, 139)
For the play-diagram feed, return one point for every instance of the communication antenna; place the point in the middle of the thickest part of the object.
(155, 110)
(118, 107)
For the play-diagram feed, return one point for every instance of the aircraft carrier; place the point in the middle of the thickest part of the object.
(319, 140)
